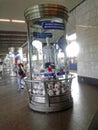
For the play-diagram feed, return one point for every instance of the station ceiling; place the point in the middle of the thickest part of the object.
(14, 34)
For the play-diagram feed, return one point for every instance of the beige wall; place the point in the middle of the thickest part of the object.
(71, 24)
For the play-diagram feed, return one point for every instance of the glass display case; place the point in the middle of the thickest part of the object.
(49, 81)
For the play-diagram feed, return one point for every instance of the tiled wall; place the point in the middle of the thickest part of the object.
(87, 37)
(71, 24)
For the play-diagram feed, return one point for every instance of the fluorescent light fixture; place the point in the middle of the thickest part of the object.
(17, 21)
(5, 20)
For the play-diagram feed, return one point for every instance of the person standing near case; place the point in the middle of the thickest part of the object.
(21, 75)
(1, 70)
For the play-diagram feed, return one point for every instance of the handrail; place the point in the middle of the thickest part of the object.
(51, 80)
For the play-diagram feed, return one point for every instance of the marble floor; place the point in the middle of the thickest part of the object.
(15, 113)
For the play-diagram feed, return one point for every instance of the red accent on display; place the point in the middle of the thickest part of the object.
(49, 69)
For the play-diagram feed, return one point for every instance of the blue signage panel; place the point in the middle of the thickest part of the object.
(42, 35)
(53, 25)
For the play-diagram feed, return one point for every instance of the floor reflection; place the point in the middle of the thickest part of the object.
(75, 89)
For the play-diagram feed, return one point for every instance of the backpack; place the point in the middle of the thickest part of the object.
(22, 72)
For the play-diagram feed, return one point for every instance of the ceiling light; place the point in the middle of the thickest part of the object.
(18, 21)
(4, 20)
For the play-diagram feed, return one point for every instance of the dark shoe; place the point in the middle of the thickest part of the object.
(22, 87)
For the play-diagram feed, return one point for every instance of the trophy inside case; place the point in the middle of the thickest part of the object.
(49, 82)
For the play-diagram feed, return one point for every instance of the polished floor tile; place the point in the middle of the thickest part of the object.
(15, 113)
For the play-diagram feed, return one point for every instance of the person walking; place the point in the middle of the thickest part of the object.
(21, 75)
(1, 70)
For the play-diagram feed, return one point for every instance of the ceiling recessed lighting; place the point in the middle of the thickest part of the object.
(5, 20)
(18, 21)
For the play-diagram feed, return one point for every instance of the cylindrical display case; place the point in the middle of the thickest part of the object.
(49, 83)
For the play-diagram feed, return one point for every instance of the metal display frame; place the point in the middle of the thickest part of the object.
(47, 103)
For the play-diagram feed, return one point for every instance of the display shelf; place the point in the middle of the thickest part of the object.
(49, 103)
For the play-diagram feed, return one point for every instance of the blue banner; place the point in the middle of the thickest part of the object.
(53, 25)
(42, 35)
